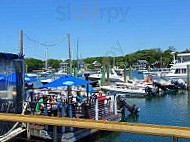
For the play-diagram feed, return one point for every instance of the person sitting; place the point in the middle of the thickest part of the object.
(39, 106)
(52, 104)
(79, 98)
(100, 97)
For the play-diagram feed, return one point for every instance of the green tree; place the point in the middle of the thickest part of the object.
(54, 63)
(33, 64)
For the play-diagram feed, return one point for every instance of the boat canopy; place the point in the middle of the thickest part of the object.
(8, 56)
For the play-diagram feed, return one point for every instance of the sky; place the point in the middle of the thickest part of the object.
(101, 27)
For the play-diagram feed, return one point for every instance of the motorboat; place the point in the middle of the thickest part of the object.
(134, 92)
(156, 72)
(135, 84)
(123, 89)
(113, 76)
(60, 72)
(34, 75)
(179, 69)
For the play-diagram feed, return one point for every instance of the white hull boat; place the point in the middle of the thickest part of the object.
(113, 77)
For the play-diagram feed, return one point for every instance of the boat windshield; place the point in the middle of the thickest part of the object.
(11, 85)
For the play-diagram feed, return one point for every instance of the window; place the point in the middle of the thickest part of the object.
(177, 71)
(184, 71)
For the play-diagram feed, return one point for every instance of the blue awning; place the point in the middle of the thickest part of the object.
(12, 78)
(67, 80)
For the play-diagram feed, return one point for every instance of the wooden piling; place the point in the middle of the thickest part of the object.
(45, 113)
(175, 139)
(63, 115)
(130, 73)
(188, 76)
(108, 74)
(28, 132)
(103, 76)
(125, 78)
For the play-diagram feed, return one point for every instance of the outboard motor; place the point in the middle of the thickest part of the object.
(151, 91)
(131, 108)
(179, 83)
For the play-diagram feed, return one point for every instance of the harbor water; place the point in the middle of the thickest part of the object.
(168, 109)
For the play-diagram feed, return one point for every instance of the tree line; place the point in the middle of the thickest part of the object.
(152, 56)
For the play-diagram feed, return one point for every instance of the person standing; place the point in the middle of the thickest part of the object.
(29, 91)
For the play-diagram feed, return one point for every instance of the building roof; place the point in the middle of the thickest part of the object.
(8, 56)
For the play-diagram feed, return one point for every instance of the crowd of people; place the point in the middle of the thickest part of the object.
(53, 102)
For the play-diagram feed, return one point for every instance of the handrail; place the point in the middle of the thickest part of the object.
(148, 129)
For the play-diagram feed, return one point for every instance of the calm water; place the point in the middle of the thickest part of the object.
(171, 109)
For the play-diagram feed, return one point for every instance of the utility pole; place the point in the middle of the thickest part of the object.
(22, 62)
(21, 42)
(46, 59)
(69, 48)
(22, 55)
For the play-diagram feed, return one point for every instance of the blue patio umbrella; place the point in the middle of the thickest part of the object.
(90, 89)
(67, 80)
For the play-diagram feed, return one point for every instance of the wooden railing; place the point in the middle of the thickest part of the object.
(147, 129)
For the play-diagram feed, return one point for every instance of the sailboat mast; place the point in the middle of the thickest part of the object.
(69, 48)
(77, 54)
(46, 59)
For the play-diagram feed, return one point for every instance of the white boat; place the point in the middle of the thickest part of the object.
(45, 81)
(142, 70)
(122, 89)
(32, 75)
(156, 72)
(179, 69)
(135, 84)
(113, 76)
(61, 72)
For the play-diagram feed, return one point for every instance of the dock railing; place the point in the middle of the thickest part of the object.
(147, 129)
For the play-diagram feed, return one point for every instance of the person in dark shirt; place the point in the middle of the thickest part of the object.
(79, 98)
(29, 91)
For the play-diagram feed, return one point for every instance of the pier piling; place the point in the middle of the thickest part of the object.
(125, 74)
(175, 139)
(188, 76)
(108, 74)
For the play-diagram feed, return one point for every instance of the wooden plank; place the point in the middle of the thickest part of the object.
(149, 129)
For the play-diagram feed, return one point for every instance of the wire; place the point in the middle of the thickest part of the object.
(44, 44)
